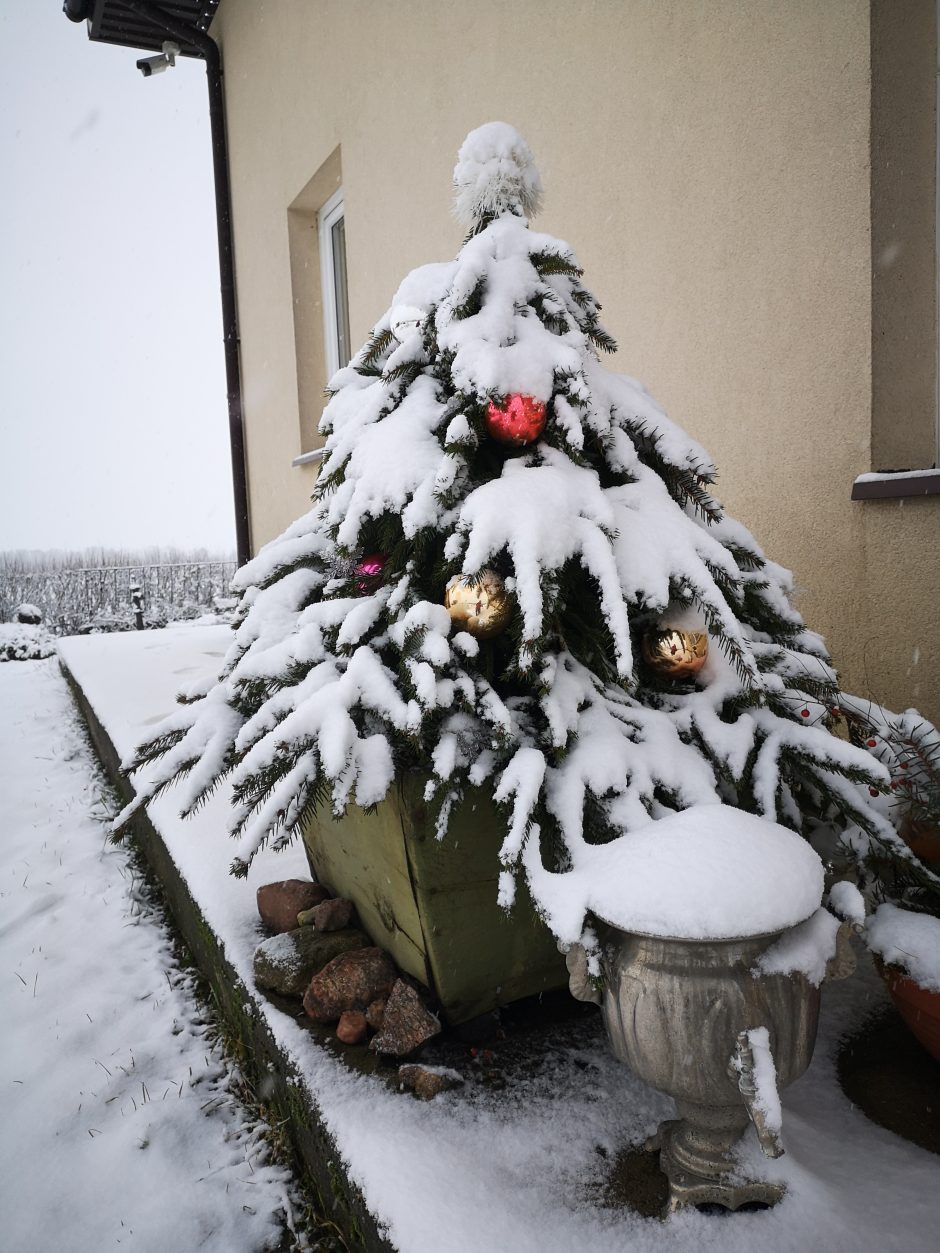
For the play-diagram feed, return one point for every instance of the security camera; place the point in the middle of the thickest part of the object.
(156, 65)
(151, 65)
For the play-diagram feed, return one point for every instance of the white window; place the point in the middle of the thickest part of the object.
(333, 271)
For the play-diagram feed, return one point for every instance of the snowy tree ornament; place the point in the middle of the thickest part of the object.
(519, 420)
(368, 571)
(495, 174)
(675, 653)
(479, 605)
(337, 682)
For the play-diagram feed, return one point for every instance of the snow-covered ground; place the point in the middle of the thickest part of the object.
(121, 1126)
(514, 1171)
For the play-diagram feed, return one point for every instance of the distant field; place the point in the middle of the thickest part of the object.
(91, 590)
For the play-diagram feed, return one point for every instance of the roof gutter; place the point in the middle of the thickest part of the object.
(209, 51)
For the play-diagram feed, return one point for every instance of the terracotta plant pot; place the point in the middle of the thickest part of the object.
(919, 1007)
(923, 838)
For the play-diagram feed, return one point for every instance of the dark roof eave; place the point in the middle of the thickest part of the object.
(112, 22)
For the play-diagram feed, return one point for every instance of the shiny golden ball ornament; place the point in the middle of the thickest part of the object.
(480, 606)
(675, 654)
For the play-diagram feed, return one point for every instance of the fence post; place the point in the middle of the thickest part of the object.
(137, 600)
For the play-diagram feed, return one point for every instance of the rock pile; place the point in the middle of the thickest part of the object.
(318, 954)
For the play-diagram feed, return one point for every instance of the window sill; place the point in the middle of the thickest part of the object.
(309, 458)
(903, 483)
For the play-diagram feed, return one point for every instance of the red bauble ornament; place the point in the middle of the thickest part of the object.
(519, 420)
(804, 713)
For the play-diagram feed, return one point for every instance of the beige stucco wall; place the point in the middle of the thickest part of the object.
(709, 163)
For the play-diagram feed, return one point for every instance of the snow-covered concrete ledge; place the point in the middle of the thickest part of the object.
(522, 1169)
(120, 682)
(892, 485)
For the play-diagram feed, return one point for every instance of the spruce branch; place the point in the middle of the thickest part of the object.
(472, 303)
(375, 348)
(547, 263)
(687, 485)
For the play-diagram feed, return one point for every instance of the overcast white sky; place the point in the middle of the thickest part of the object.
(113, 424)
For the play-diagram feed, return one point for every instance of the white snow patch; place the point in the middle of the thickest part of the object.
(766, 1098)
(804, 949)
(708, 873)
(848, 902)
(909, 940)
(122, 1125)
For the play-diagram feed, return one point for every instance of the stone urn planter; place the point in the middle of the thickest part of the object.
(680, 1014)
(719, 1022)
(432, 904)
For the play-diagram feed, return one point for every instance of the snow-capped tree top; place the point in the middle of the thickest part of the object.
(495, 173)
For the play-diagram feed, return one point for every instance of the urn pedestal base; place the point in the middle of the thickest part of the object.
(695, 1153)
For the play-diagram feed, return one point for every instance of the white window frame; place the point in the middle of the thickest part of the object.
(331, 213)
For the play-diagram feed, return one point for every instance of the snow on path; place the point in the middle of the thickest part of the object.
(119, 1125)
(517, 1171)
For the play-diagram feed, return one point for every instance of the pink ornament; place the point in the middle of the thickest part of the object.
(519, 420)
(368, 569)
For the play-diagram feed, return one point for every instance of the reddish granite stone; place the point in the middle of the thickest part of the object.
(332, 915)
(406, 1024)
(280, 903)
(352, 1027)
(351, 981)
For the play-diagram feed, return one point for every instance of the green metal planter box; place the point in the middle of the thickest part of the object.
(431, 903)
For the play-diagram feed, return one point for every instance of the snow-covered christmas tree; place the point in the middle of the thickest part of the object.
(514, 575)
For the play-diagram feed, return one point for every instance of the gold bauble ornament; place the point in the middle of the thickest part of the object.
(479, 606)
(675, 654)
